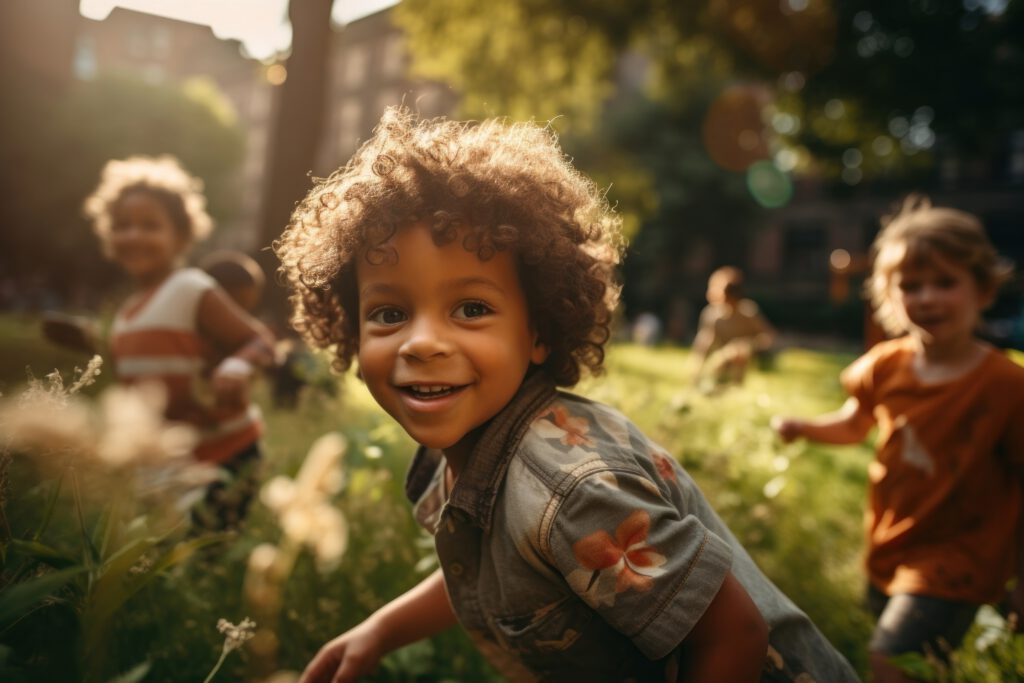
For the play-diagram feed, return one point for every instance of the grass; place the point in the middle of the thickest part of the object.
(797, 508)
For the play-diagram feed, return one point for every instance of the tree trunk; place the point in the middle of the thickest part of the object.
(295, 134)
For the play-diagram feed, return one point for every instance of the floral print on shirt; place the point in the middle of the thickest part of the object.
(628, 558)
(570, 430)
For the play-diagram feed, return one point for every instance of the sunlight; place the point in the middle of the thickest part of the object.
(261, 25)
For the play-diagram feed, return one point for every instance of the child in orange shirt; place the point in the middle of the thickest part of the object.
(945, 492)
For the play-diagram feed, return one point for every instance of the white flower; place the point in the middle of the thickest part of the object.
(303, 505)
(236, 635)
(133, 427)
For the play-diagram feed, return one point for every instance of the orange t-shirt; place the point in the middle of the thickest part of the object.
(945, 489)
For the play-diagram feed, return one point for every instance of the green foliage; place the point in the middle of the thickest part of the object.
(511, 58)
(993, 653)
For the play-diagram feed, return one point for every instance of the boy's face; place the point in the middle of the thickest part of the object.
(940, 301)
(444, 338)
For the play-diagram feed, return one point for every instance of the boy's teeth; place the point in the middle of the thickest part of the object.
(429, 389)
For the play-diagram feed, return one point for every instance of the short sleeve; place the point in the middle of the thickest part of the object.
(647, 568)
(858, 380)
(194, 279)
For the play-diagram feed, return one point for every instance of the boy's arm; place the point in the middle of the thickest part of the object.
(848, 425)
(421, 612)
(730, 641)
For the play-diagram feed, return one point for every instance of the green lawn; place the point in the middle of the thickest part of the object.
(797, 508)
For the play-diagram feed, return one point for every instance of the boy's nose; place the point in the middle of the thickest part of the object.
(426, 339)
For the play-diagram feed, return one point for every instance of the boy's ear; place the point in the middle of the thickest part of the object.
(540, 351)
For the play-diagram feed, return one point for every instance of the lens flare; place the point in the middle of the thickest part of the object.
(770, 187)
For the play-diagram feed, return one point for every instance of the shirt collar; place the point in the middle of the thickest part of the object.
(477, 486)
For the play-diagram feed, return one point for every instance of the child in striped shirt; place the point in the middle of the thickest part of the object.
(179, 329)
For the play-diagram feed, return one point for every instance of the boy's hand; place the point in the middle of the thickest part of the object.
(789, 429)
(347, 658)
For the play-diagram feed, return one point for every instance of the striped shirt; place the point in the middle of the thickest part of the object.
(155, 337)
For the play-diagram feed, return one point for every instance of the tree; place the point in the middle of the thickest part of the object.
(843, 89)
(296, 129)
(847, 72)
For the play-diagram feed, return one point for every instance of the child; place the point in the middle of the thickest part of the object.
(730, 331)
(945, 496)
(179, 328)
(238, 275)
(242, 279)
(468, 268)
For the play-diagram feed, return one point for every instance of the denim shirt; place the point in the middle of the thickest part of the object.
(574, 548)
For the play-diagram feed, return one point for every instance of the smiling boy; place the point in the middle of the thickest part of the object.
(468, 268)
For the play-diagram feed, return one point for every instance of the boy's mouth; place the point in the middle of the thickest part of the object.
(427, 392)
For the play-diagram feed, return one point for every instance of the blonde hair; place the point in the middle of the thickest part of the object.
(180, 193)
(915, 234)
(496, 186)
(726, 282)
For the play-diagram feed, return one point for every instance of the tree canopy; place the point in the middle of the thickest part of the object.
(885, 79)
(696, 115)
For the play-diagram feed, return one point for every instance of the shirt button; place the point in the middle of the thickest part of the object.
(455, 568)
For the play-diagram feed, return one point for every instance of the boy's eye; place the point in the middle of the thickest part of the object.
(386, 316)
(472, 309)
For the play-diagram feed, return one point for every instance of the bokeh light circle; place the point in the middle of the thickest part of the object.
(840, 259)
(770, 187)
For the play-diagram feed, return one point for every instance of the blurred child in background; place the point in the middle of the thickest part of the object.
(238, 275)
(469, 268)
(731, 330)
(945, 490)
(179, 328)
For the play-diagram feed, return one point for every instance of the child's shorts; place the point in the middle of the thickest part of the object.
(918, 623)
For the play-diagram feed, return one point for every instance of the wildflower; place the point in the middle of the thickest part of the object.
(88, 376)
(123, 433)
(261, 586)
(236, 635)
(128, 427)
(305, 512)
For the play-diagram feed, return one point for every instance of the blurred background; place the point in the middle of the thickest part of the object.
(766, 134)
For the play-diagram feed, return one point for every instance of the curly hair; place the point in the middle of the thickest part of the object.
(500, 187)
(914, 234)
(163, 177)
